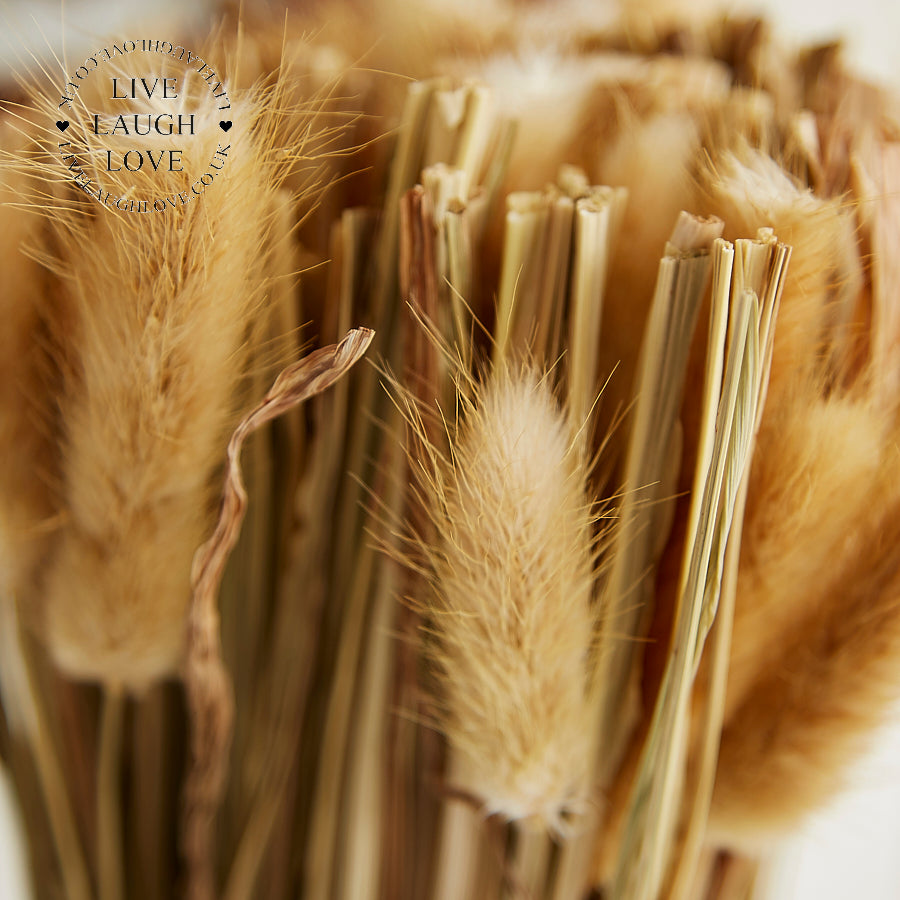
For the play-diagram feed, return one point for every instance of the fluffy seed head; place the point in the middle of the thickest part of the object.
(159, 310)
(748, 190)
(511, 601)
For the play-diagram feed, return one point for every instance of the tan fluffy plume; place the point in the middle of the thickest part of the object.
(158, 310)
(510, 601)
(815, 617)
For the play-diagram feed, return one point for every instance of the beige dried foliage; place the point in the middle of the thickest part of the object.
(748, 189)
(817, 590)
(814, 470)
(25, 428)
(509, 601)
(152, 319)
(787, 748)
(160, 307)
(545, 90)
(813, 448)
(655, 181)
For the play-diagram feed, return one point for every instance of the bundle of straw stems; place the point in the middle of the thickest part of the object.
(584, 583)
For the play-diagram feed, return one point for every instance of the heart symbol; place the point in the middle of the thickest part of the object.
(225, 125)
(62, 126)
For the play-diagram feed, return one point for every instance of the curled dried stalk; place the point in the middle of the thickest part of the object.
(208, 687)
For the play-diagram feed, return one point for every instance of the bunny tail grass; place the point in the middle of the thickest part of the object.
(510, 604)
(156, 318)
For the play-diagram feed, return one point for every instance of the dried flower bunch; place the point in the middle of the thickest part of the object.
(590, 583)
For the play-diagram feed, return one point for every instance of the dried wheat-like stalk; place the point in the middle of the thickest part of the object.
(159, 313)
(157, 320)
